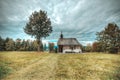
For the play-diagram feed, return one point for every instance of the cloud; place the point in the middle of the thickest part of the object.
(80, 19)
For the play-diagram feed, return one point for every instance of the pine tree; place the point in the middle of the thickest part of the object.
(2, 44)
(18, 44)
(44, 47)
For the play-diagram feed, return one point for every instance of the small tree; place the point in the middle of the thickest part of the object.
(39, 26)
(10, 45)
(51, 47)
(22, 47)
(18, 44)
(35, 45)
(2, 44)
(88, 48)
(44, 47)
(96, 47)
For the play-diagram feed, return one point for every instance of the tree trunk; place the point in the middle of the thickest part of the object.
(39, 44)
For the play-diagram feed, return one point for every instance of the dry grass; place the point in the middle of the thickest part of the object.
(50, 66)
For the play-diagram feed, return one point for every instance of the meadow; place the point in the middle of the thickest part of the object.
(53, 66)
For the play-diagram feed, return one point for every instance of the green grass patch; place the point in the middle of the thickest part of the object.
(4, 67)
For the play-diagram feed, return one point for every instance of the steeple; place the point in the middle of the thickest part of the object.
(61, 35)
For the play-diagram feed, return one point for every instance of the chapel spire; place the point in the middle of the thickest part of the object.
(61, 35)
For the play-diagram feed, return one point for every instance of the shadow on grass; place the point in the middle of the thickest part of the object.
(4, 70)
(4, 67)
(116, 66)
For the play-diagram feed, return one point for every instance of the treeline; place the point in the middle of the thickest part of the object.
(9, 44)
(97, 47)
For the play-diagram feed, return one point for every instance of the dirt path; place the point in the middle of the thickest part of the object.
(41, 70)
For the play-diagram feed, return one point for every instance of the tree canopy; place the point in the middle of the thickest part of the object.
(110, 38)
(39, 26)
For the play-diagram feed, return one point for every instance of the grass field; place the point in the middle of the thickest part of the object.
(51, 66)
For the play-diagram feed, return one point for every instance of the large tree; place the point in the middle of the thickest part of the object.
(39, 26)
(110, 38)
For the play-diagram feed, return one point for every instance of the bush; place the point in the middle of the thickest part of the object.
(113, 50)
(56, 49)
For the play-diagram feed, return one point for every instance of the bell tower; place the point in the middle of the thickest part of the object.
(61, 35)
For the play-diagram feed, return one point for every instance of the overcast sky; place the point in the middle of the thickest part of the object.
(80, 19)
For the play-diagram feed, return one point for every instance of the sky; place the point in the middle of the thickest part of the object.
(79, 19)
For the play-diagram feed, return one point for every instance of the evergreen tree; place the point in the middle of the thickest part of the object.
(18, 44)
(44, 47)
(2, 44)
